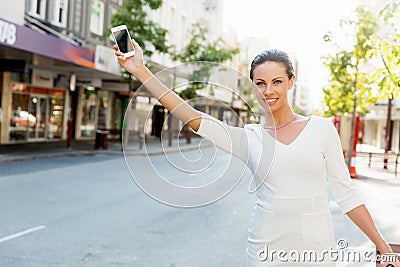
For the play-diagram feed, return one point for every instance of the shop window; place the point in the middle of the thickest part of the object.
(36, 113)
(55, 117)
(117, 114)
(88, 123)
(21, 119)
(105, 110)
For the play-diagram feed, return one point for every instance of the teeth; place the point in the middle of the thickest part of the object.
(270, 100)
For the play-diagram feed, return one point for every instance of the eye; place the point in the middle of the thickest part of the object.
(259, 83)
(277, 81)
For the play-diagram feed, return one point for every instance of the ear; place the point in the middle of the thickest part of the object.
(291, 82)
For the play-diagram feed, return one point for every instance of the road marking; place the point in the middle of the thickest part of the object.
(22, 233)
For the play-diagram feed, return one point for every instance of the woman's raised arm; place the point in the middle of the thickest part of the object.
(168, 98)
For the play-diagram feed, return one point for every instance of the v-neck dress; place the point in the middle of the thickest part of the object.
(291, 212)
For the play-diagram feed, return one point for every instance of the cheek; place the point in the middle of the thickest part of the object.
(283, 88)
(258, 94)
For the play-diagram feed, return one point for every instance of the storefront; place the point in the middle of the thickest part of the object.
(33, 106)
(36, 113)
(39, 101)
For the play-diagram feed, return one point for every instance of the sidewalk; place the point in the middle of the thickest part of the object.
(19, 152)
(380, 190)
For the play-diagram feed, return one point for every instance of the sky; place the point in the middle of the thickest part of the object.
(294, 26)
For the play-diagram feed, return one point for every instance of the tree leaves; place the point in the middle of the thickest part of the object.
(134, 14)
(200, 49)
(348, 81)
(388, 50)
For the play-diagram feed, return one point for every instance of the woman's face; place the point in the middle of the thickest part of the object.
(271, 85)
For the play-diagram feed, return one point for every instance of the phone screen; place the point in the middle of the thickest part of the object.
(123, 41)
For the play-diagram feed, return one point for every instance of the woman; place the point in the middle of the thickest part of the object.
(291, 211)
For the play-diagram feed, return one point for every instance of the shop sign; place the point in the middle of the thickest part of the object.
(42, 78)
(115, 87)
(8, 32)
(105, 60)
(26, 39)
(82, 81)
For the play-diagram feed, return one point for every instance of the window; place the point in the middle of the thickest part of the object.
(97, 17)
(60, 13)
(89, 110)
(117, 2)
(38, 8)
(76, 22)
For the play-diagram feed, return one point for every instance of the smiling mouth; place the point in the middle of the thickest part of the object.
(271, 101)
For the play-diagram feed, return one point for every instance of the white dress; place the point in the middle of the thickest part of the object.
(291, 213)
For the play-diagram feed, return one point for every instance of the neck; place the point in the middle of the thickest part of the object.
(279, 117)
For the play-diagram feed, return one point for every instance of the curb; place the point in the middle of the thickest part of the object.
(142, 153)
(50, 155)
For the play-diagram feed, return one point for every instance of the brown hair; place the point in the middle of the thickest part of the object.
(274, 55)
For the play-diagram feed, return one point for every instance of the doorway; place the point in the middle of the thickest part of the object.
(38, 111)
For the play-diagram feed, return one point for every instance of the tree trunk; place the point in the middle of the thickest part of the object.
(353, 126)
(388, 132)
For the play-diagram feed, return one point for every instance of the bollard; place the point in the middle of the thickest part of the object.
(370, 157)
(101, 139)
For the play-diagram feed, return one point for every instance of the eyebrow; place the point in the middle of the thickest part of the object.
(272, 79)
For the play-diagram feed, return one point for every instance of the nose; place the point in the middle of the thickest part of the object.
(266, 89)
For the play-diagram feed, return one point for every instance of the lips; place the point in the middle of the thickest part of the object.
(270, 101)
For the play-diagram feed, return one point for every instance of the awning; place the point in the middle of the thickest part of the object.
(26, 39)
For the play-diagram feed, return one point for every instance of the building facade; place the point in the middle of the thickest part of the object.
(59, 77)
(178, 17)
(60, 80)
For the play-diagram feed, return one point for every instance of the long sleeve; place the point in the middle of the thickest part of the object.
(230, 139)
(346, 195)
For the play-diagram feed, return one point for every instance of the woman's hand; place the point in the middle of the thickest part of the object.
(386, 252)
(384, 262)
(132, 64)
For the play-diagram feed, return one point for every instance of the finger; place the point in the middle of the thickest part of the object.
(118, 53)
(121, 58)
(116, 47)
(135, 45)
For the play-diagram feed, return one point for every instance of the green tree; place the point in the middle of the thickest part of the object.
(149, 35)
(197, 51)
(388, 75)
(349, 90)
(388, 50)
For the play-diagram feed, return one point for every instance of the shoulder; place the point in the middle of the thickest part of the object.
(252, 127)
(325, 127)
(322, 122)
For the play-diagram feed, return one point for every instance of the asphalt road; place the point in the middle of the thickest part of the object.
(88, 211)
(47, 163)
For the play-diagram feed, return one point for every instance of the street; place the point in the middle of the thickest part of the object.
(93, 214)
(88, 211)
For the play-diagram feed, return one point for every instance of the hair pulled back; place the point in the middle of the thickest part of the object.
(274, 55)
